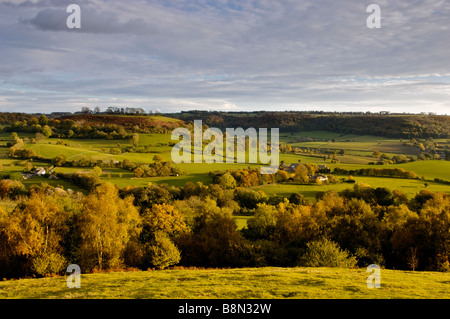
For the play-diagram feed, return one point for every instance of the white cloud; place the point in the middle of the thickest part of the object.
(228, 54)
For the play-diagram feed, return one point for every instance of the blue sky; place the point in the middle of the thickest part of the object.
(225, 55)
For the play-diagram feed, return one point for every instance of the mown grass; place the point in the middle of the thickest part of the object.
(242, 283)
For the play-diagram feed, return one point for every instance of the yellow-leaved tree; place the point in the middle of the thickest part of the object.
(35, 230)
(161, 223)
(107, 223)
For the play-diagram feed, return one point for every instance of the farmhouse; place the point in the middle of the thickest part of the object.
(40, 171)
(316, 178)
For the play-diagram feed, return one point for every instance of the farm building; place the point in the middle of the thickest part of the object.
(316, 178)
(40, 171)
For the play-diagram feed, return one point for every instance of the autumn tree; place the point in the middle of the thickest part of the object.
(301, 174)
(398, 223)
(213, 239)
(262, 225)
(107, 223)
(35, 230)
(298, 199)
(47, 131)
(162, 251)
(295, 224)
(435, 224)
(164, 218)
(135, 139)
(326, 253)
(358, 230)
(226, 181)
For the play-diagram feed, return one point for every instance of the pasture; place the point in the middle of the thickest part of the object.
(238, 283)
(149, 145)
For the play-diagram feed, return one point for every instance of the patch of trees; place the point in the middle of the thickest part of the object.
(389, 125)
(241, 178)
(85, 181)
(380, 172)
(44, 229)
(112, 127)
(157, 168)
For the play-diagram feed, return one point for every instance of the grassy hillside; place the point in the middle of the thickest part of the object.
(267, 283)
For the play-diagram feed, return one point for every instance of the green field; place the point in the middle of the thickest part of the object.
(240, 283)
(265, 283)
(409, 186)
(354, 144)
(358, 147)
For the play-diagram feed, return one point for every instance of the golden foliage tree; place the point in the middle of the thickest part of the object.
(35, 230)
(107, 223)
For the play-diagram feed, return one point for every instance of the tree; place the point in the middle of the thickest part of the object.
(138, 172)
(435, 221)
(326, 253)
(39, 137)
(106, 224)
(357, 228)
(157, 158)
(43, 120)
(59, 160)
(226, 181)
(96, 171)
(47, 131)
(15, 138)
(213, 239)
(383, 196)
(295, 224)
(248, 198)
(262, 225)
(135, 138)
(162, 218)
(301, 174)
(161, 251)
(282, 176)
(298, 199)
(35, 230)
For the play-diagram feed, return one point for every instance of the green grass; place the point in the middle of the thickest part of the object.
(409, 186)
(243, 283)
(241, 221)
(355, 144)
(429, 169)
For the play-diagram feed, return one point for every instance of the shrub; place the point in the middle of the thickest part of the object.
(48, 264)
(162, 252)
(326, 253)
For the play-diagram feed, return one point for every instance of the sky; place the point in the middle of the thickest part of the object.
(225, 55)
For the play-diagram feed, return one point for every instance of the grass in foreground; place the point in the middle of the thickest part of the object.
(244, 283)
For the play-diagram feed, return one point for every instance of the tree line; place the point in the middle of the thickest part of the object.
(85, 126)
(44, 229)
(388, 125)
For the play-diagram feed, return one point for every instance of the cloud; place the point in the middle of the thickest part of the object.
(91, 22)
(238, 54)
